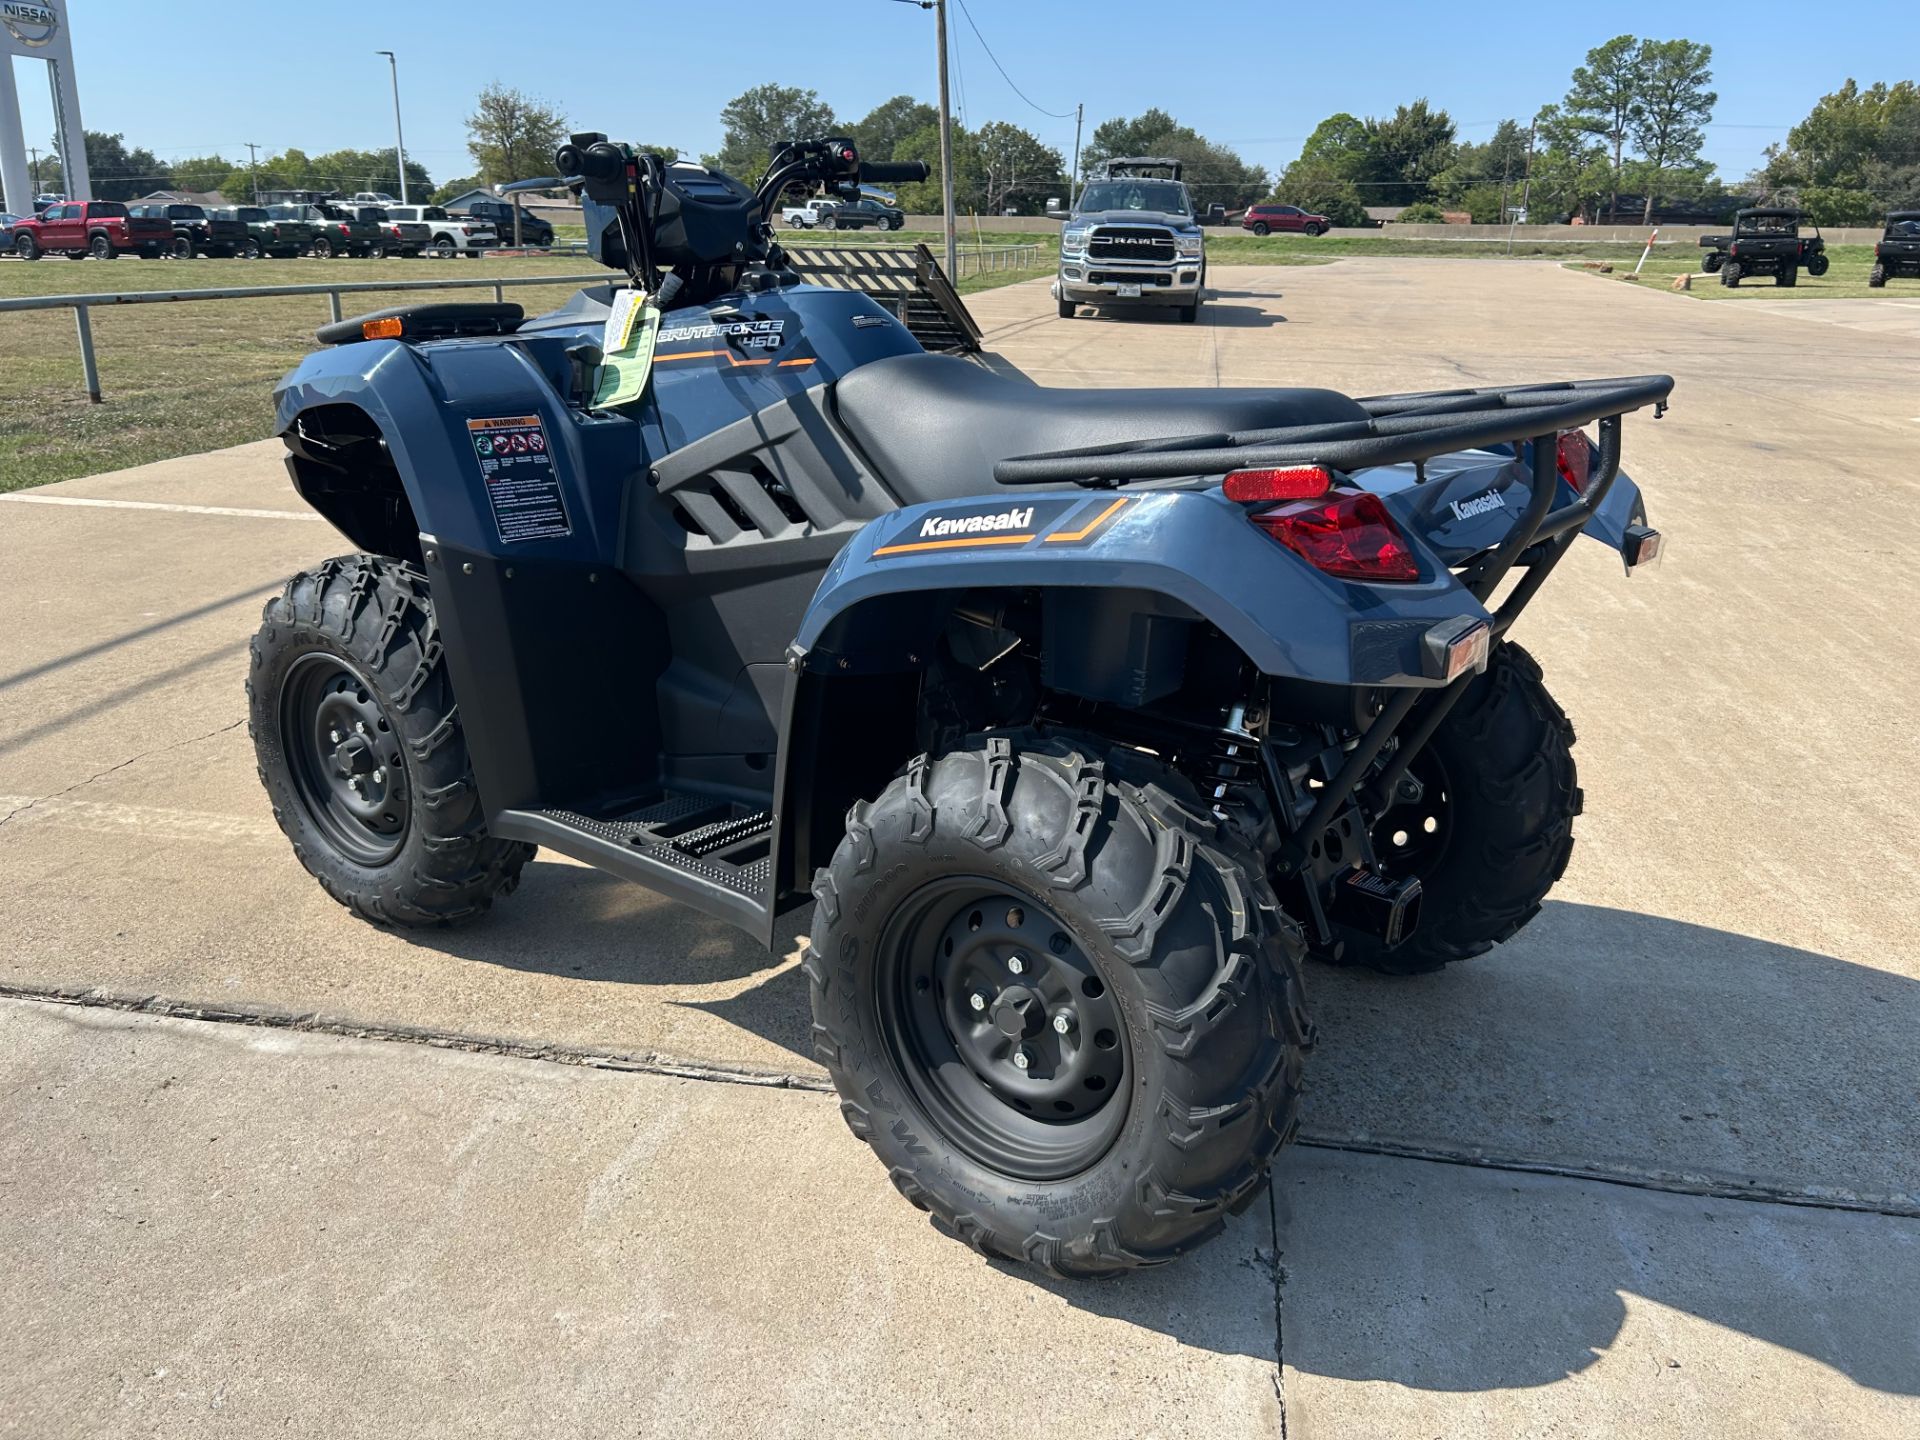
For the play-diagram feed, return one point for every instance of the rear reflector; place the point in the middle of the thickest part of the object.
(1457, 647)
(1351, 536)
(387, 329)
(1299, 482)
(1574, 457)
(1641, 545)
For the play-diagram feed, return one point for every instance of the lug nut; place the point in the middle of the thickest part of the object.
(1022, 1058)
(333, 736)
(379, 774)
(359, 727)
(1016, 964)
(978, 1001)
(353, 783)
(1063, 1022)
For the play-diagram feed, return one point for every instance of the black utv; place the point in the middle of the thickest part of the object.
(1898, 252)
(1765, 242)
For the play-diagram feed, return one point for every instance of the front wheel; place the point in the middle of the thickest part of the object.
(1817, 264)
(1059, 1000)
(252, 251)
(361, 750)
(1487, 825)
(182, 248)
(1068, 309)
(1313, 230)
(27, 246)
(1711, 265)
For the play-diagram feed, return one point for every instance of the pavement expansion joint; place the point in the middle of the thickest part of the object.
(19, 810)
(1707, 1185)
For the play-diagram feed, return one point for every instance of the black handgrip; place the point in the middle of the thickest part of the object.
(893, 170)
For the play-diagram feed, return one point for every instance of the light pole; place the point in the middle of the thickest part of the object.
(399, 141)
(939, 8)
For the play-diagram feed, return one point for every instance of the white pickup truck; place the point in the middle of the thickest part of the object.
(808, 215)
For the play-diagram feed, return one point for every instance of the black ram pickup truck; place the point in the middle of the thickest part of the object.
(1898, 252)
(195, 231)
(1765, 242)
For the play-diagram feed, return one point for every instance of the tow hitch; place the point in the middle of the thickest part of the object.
(1368, 901)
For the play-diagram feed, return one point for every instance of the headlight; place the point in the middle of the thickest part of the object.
(1187, 244)
(1074, 237)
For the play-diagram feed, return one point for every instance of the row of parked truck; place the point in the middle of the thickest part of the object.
(105, 229)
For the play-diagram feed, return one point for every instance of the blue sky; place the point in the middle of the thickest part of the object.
(185, 81)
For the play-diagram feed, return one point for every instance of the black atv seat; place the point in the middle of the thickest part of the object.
(935, 425)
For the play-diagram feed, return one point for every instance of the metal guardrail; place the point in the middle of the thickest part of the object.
(990, 259)
(83, 325)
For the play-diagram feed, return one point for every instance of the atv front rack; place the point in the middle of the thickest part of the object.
(1401, 429)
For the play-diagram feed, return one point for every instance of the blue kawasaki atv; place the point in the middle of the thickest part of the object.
(1081, 717)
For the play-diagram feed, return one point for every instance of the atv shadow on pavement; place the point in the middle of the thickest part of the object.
(1664, 1047)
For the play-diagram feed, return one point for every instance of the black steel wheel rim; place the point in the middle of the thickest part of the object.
(345, 760)
(974, 978)
(1412, 834)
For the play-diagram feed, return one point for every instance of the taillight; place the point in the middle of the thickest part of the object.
(1296, 482)
(1573, 459)
(346, 230)
(1350, 536)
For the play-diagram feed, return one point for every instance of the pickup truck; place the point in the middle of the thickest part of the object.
(1898, 252)
(405, 238)
(807, 215)
(100, 228)
(499, 214)
(1132, 240)
(449, 235)
(336, 230)
(196, 230)
(1765, 242)
(268, 236)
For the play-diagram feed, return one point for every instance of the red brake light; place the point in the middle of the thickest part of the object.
(1574, 457)
(346, 230)
(1297, 482)
(1351, 536)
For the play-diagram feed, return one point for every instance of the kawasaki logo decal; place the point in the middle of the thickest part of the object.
(1018, 518)
(1478, 505)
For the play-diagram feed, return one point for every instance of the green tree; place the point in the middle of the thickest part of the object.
(456, 187)
(922, 197)
(889, 123)
(1668, 126)
(512, 135)
(1319, 186)
(1854, 140)
(1341, 145)
(1214, 173)
(1605, 100)
(1571, 170)
(201, 172)
(117, 172)
(349, 171)
(757, 121)
(1015, 167)
(1409, 149)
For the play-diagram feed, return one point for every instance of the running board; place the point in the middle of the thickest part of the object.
(688, 848)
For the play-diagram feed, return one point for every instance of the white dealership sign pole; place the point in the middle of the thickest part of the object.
(37, 30)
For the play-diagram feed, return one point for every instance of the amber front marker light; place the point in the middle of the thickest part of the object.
(388, 328)
(1454, 647)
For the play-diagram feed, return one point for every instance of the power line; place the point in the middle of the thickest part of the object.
(1052, 115)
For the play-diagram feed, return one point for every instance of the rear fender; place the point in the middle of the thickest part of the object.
(888, 592)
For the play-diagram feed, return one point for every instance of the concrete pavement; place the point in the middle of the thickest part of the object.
(1721, 996)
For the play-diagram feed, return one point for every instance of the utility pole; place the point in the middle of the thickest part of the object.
(1073, 180)
(946, 146)
(1526, 188)
(399, 141)
(35, 153)
(253, 168)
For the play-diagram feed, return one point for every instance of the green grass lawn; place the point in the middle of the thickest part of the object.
(1845, 280)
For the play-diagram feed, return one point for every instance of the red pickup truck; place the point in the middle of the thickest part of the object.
(100, 228)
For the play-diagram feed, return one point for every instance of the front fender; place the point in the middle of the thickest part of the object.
(1194, 548)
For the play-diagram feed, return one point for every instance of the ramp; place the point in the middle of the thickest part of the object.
(909, 282)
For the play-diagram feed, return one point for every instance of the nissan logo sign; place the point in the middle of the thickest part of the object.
(29, 23)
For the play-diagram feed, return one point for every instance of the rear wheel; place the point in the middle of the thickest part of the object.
(1877, 277)
(1730, 274)
(323, 247)
(1059, 1001)
(1787, 275)
(444, 247)
(1260, 227)
(1492, 827)
(361, 751)
(100, 248)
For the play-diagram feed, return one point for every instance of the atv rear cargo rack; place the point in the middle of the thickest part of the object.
(1401, 429)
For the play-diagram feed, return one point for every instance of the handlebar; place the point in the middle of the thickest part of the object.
(599, 161)
(894, 171)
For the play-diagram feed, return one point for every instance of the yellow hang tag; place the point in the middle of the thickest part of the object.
(627, 350)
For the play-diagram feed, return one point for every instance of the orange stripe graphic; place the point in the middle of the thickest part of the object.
(1091, 526)
(949, 544)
